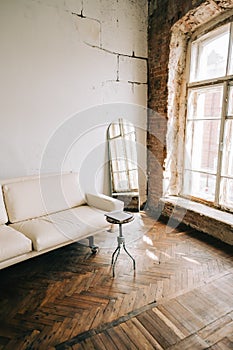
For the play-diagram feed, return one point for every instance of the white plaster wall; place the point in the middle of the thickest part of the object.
(58, 59)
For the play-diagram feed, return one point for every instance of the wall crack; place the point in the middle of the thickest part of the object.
(136, 82)
(79, 15)
(117, 53)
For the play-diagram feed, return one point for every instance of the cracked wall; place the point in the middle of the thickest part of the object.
(60, 57)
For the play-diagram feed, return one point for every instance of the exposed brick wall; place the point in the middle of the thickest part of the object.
(162, 15)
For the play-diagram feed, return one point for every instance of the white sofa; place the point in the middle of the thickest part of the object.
(42, 213)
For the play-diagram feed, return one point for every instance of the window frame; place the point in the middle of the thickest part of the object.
(226, 81)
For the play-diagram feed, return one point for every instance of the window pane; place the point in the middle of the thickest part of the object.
(114, 130)
(117, 149)
(133, 178)
(118, 165)
(131, 151)
(131, 136)
(205, 103)
(128, 127)
(132, 165)
(199, 185)
(227, 156)
(230, 102)
(210, 57)
(193, 60)
(202, 145)
(120, 182)
(226, 193)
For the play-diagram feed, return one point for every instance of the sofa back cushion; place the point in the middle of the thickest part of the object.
(3, 214)
(43, 195)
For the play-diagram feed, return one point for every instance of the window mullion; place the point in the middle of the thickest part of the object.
(220, 146)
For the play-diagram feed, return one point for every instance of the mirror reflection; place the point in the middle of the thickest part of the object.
(123, 163)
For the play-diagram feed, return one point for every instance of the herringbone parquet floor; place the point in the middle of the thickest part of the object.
(180, 297)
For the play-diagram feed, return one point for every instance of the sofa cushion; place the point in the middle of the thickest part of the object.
(69, 225)
(40, 196)
(13, 243)
(3, 214)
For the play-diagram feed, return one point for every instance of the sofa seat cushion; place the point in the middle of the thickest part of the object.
(13, 243)
(68, 225)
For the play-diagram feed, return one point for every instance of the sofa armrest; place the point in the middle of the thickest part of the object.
(104, 202)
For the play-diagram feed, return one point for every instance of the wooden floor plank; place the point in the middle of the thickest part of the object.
(136, 337)
(98, 344)
(118, 339)
(190, 343)
(149, 338)
(175, 316)
(184, 316)
(109, 344)
(150, 324)
(124, 339)
(169, 323)
(223, 330)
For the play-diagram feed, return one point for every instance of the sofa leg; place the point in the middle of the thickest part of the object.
(94, 248)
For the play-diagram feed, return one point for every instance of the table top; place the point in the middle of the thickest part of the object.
(119, 217)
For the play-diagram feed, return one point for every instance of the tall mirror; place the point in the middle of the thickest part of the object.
(121, 136)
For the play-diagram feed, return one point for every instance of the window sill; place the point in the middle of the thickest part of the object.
(199, 216)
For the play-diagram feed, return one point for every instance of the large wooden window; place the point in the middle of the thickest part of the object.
(208, 154)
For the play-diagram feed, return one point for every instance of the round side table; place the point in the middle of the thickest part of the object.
(120, 218)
